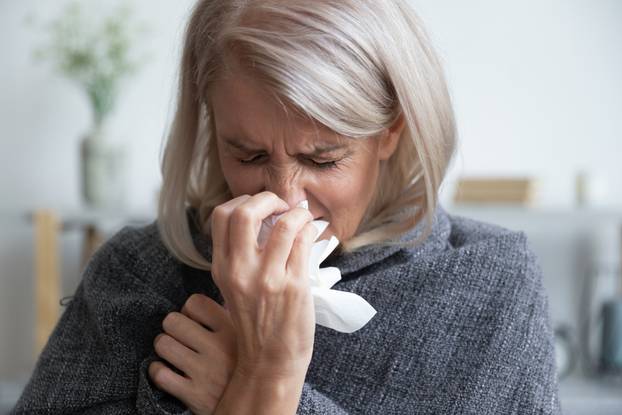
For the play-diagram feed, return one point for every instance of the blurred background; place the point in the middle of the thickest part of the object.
(88, 92)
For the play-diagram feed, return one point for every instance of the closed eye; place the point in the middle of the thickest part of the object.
(252, 160)
(323, 165)
(319, 165)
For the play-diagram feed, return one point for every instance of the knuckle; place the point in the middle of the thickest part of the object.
(238, 284)
(242, 215)
(284, 226)
(270, 287)
(275, 199)
(219, 213)
(270, 194)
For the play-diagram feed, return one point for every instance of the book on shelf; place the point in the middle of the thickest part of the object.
(518, 191)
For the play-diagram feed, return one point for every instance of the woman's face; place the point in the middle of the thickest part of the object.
(261, 147)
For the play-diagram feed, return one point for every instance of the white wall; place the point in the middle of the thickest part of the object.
(536, 86)
(43, 116)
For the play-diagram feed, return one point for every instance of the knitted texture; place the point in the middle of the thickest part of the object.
(462, 327)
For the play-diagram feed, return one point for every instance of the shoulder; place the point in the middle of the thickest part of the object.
(485, 302)
(489, 259)
(134, 251)
(143, 241)
(135, 238)
(467, 232)
(473, 238)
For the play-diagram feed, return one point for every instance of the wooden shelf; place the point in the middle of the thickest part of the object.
(506, 209)
(540, 219)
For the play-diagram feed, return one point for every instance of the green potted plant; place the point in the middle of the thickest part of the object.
(95, 53)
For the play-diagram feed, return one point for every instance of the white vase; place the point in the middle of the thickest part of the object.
(592, 189)
(103, 171)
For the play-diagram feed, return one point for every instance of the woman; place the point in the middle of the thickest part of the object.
(343, 104)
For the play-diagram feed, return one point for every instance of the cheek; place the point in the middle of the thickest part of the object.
(341, 194)
(347, 194)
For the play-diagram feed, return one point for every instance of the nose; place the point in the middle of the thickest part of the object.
(287, 185)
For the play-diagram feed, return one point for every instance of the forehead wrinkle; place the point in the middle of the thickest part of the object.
(308, 137)
(317, 149)
(285, 120)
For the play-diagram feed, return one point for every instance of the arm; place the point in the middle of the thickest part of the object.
(269, 301)
(534, 377)
(245, 395)
(516, 372)
(530, 372)
(279, 396)
(96, 358)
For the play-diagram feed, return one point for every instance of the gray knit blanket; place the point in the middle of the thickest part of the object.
(462, 327)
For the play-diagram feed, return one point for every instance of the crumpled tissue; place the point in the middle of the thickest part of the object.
(339, 310)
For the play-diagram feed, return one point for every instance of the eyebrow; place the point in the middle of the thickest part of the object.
(318, 149)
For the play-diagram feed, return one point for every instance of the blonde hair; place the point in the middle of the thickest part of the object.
(354, 66)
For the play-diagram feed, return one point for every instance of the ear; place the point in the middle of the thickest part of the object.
(390, 138)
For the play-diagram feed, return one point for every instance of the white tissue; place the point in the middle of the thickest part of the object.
(339, 310)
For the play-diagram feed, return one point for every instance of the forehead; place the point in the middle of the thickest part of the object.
(243, 108)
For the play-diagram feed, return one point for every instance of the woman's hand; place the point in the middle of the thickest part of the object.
(266, 290)
(207, 356)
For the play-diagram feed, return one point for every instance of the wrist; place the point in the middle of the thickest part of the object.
(270, 385)
(278, 373)
(261, 393)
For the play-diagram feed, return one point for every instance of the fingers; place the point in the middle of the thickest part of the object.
(235, 224)
(298, 262)
(206, 311)
(175, 353)
(245, 220)
(168, 380)
(285, 231)
(235, 228)
(185, 330)
(220, 226)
